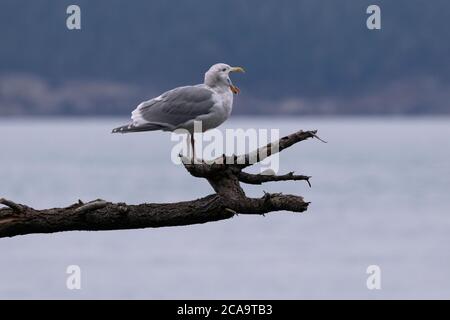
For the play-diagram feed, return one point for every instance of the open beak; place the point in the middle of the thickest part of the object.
(233, 88)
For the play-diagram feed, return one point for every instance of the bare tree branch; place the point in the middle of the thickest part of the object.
(274, 147)
(228, 201)
(14, 206)
(261, 178)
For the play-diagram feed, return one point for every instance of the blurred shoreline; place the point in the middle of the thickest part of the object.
(32, 95)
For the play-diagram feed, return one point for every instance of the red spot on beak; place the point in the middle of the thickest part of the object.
(234, 89)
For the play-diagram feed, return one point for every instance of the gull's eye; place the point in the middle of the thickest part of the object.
(224, 69)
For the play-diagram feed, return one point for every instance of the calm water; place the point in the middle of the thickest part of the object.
(380, 196)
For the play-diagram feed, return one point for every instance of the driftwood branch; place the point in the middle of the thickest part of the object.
(261, 178)
(224, 174)
(14, 206)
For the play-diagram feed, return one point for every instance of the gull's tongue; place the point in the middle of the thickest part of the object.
(234, 89)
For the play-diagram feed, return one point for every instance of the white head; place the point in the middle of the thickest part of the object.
(219, 76)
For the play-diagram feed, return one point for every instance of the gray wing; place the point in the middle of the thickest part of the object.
(174, 108)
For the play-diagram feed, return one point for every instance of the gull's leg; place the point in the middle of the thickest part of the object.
(185, 152)
(188, 147)
(193, 147)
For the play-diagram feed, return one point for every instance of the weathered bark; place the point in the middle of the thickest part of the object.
(224, 175)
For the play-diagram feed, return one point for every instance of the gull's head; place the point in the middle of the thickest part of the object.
(219, 76)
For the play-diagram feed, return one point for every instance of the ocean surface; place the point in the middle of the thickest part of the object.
(380, 196)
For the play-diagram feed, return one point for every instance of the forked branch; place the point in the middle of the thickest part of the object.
(224, 174)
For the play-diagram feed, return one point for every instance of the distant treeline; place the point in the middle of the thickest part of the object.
(310, 56)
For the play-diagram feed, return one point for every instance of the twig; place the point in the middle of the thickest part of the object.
(230, 210)
(318, 138)
(91, 206)
(261, 178)
(14, 206)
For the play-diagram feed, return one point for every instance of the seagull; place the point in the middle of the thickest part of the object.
(209, 103)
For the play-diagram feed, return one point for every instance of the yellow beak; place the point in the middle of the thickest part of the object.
(237, 69)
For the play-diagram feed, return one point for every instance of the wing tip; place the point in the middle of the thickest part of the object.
(122, 129)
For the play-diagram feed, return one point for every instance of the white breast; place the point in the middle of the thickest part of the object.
(221, 110)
